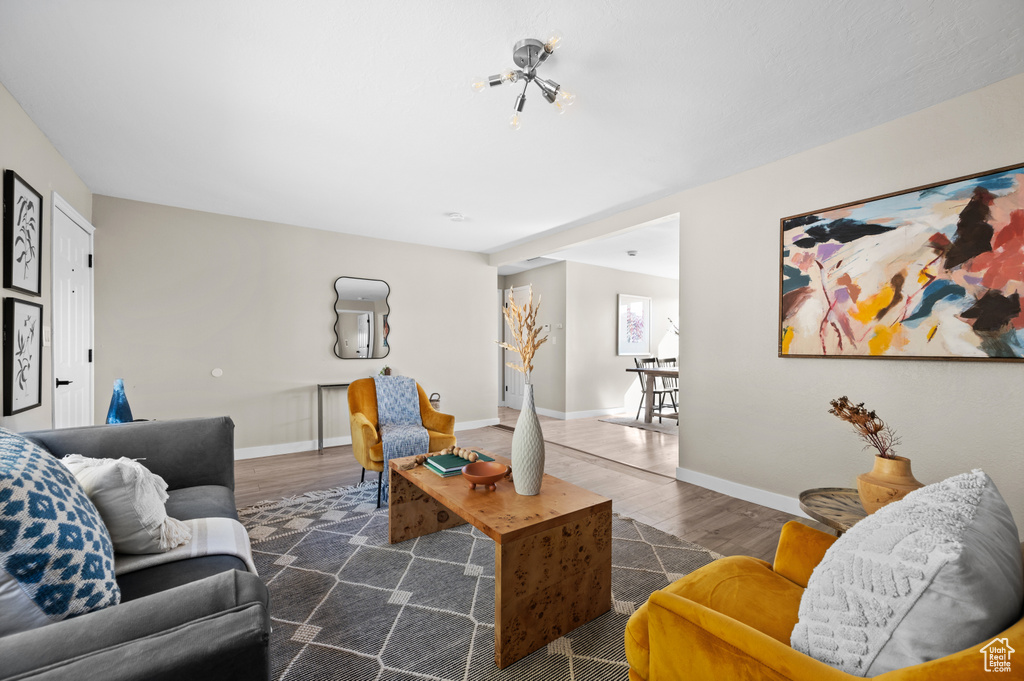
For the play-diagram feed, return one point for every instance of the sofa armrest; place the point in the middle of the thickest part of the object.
(433, 419)
(218, 627)
(184, 452)
(800, 550)
(364, 436)
(693, 643)
(438, 422)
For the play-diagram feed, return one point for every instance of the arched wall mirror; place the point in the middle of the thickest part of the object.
(361, 318)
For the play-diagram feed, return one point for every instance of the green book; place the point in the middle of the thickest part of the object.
(449, 463)
(443, 474)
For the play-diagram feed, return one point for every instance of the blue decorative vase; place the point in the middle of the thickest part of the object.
(120, 411)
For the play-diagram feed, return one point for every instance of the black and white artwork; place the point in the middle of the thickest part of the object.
(23, 225)
(23, 355)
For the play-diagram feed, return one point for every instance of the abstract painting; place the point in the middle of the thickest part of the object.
(934, 272)
(23, 224)
(634, 325)
(23, 355)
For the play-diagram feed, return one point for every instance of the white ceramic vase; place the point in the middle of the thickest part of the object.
(528, 448)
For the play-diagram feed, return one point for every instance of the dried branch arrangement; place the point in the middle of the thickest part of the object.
(522, 321)
(869, 427)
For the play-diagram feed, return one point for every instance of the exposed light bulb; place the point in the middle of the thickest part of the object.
(554, 41)
(563, 100)
(509, 76)
(515, 121)
(480, 84)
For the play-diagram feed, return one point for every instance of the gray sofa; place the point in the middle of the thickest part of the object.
(201, 618)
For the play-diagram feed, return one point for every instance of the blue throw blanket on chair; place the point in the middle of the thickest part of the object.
(398, 418)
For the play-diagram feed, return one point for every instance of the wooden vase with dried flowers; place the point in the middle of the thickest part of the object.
(891, 478)
(527, 440)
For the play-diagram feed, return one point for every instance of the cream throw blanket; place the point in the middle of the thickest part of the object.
(210, 537)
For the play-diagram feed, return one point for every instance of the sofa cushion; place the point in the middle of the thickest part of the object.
(921, 578)
(202, 501)
(162, 577)
(130, 500)
(56, 556)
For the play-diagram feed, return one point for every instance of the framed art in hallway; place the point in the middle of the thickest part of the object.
(23, 225)
(23, 355)
(934, 272)
(634, 325)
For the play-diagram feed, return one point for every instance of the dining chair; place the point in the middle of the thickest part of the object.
(669, 386)
(659, 392)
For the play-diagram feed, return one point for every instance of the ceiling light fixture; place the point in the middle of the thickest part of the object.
(528, 54)
(456, 217)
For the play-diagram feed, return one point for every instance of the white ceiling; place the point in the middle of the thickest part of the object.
(652, 248)
(358, 116)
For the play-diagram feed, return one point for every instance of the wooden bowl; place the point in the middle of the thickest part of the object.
(484, 473)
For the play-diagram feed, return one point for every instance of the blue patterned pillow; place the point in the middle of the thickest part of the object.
(56, 558)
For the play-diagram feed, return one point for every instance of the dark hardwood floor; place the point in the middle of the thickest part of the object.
(637, 475)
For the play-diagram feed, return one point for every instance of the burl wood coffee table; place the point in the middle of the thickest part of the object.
(553, 559)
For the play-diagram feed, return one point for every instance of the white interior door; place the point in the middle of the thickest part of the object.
(514, 380)
(72, 316)
(364, 334)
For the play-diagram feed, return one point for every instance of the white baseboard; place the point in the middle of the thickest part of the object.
(569, 416)
(310, 445)
(755, 495)
(550, 413)
(470, 425)
(288, 448)
(593, 413)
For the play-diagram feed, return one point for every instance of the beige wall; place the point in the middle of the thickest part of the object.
(180, 293)
(757, 425)
(596, 377)
(754, 418)
(26, 150)
(578, 372)
(549, 363)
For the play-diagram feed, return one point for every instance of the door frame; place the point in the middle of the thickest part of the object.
(511, 377)
(58, 203)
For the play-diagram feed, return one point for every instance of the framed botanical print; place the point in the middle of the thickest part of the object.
(23, 355)
(634, 325)
(23, 235)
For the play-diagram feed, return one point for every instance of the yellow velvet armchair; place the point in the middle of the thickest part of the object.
(732, 619)
(366, 443)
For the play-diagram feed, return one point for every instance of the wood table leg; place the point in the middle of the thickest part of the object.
(413, 513)
(549, 583)
(649, 400)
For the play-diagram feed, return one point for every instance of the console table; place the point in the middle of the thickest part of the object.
(320, 387)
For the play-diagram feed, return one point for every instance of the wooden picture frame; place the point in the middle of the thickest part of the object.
(933, 272)
(23, 355)
(23, 235)
(634, 327)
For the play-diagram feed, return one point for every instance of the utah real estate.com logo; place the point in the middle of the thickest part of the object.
(997, 655)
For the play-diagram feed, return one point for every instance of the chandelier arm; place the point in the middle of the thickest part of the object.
(521, 99)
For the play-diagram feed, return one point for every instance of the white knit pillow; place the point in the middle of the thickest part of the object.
(130, 499)
(924, 577)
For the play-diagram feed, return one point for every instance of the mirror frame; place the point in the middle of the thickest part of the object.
(385, 326)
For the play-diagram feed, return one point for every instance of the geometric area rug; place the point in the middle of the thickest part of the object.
(345, 604)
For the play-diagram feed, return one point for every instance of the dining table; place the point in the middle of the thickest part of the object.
(649, 374)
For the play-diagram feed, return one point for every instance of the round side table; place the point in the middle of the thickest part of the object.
(837, 507)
